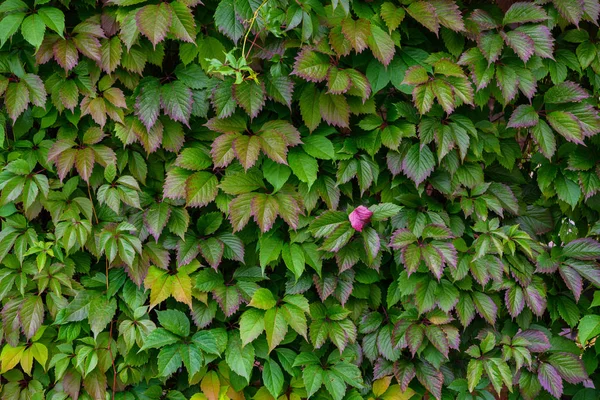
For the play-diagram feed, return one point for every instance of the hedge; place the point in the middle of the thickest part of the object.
(291, 199)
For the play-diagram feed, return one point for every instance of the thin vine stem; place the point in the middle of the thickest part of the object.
(254, 17)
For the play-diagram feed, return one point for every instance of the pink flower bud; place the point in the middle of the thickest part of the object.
(360, 217)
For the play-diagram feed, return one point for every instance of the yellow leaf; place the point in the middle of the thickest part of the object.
(395, 393)
(211, 386)
(198, 396)
(40, 353)
(27, 361)
(381, 385)
(182, 288)
(160, 284)
(263, 394)
(10, 357)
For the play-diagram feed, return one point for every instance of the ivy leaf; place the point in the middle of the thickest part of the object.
(565, 92)
(357, 33)
(524, 116)
(425, 14)
(520, 13)
(250, 96)
(251, 325)
(16, 99)
(550, 379)
(183, 25)
(381, 44)
(176, 100)
(32, 316)
(418, 163)
(273, 377)
(201, 189)
(154, 21)
(53, 18)
(33, 29)
(228, 21)
(310, 107)
(334, 109)
(239, 358)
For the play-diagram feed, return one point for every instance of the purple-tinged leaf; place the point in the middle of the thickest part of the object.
(491, 45)
(89, 46)
(535, 297)
(565, 92)
(357, 32)
(414, 337)
(582, 249)
(280, 89)
(486, 307)
(154, 21)
(201, 189)
(334, 109)
(183, 25)
(550, 379)
(311, 65)
(569, 366)
(589, 270)
(438, 338)
(176, 99)
(424, 13)
(521, 44)
(521, 13)
(431, 378)
(418, 163)
(222, 151)
(542, 37)
(16, 99)
(250, 96)
(264, 210)
(156, 218)
(240, 211)
(449, 14)
(212, 251)
(536, 341)
(524, 116)
(175, 183)
(228, 20)
(246, 149)
(515, 301)
(404, 371)
(572, 11)
(147, 104)
(381, 44)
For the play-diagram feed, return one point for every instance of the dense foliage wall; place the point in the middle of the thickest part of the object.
(289, 199)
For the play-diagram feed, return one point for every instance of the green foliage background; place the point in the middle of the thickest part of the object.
(299, 199)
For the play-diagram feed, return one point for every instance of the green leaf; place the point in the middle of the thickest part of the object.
(33, 29)
(303, 166)
(174, 321)
(239, 358)
(227, 20)
(309, 107)
(567, 190)
(589, 327)
(169, 360)
(53, 18)
(9, 25)
(252, 324)
(273, 377)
